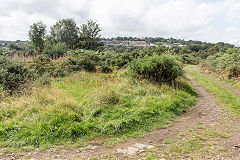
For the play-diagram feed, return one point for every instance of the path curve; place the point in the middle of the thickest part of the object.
(206, 113)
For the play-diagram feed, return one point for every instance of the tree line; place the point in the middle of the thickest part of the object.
(65, 35)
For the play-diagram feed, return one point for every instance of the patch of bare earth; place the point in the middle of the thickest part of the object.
(206, 131)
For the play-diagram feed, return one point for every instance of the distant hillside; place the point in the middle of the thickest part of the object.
(161, 40)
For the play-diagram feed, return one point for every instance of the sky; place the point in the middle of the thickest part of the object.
(205, 20)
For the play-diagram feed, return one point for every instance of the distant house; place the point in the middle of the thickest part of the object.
(173, 45)
(126, 43)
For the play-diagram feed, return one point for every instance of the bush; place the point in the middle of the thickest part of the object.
(13, 75)
(88, 61)
(234, 72)
(105, 68)
(188, 59)
(45, 79)
(63, 66)
(41, 65)
(225, 64)
(163, 68)
(58, 49)
(4, 52)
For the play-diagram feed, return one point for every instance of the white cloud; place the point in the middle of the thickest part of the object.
(186, 19)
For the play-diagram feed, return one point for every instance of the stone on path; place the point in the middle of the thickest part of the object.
(136, 149)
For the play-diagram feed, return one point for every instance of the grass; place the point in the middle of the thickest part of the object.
(89, 106)
(223, 95)
(234, 83)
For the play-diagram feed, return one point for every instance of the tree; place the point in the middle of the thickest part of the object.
(90, 36)
(65, 31)
(36, 35)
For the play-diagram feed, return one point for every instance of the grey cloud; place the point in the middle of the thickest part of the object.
(167, 18)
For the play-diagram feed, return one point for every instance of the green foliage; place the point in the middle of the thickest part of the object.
(227, 64)
(88, 61)
(58, 49)
(37, 34)
(188, 59)
(234, 71)
(28, 48)
(13, 46)
(13, 75)
(41, 64)
(90, 105)
(156, 68)
(45, 79)
(90, 36)
(64, 66)
(4, 52)
(65, 31)
(105, 68)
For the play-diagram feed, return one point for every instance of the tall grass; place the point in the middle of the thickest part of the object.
(91, 105)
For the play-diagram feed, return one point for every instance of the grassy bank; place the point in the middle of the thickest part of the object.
(232, 82)
(223, 95)
(89, 105)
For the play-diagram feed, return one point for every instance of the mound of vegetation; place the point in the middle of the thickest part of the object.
(189, 59)
(88, 105)
(163, 68)
(225, 63)
(13, 75)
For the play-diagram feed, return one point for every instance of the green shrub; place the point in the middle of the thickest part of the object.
(64, 67)
(45, 79)
(4, 52)
(234, 72)
(105, 68)
(58, 49)
(163, 68)
(41, 65)
(88, 61)
(3, 93)
(188, 59)
(224, 63)
(13, 75)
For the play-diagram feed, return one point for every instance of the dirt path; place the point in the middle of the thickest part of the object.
(221, 129)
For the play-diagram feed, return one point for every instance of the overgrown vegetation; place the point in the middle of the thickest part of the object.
(79, 89)
(13, 75)
(76, 93)
(156, 68)
(89, 105)
(226, 64)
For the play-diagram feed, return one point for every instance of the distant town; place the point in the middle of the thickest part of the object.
(107, 42)
(127, 43)
(6, 44)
